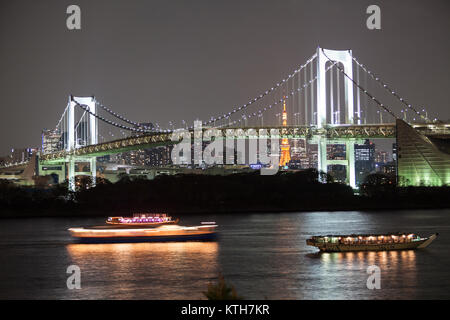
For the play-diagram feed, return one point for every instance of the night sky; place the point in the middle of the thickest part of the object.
(155, 61)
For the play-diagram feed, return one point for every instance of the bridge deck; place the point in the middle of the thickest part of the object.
(337, 132)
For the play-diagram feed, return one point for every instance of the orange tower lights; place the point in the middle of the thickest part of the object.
(285, 147)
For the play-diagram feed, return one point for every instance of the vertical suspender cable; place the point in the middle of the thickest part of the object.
(292, 121)
(358, 102)
(88, 136)
(312, 94)
(291, 109)
(291, 103)
(65, 132)
(299, 83)
(366, 107)
(85, 129)
(369, 111)
(331, 96)
(338, 97)
(306, 99)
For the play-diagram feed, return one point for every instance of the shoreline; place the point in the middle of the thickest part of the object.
(183, 195)
(184, 213)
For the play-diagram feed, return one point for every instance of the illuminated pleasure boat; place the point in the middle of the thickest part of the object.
(374, 242)
(142, 220)
(106, 234)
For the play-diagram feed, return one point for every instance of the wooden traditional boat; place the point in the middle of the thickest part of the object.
(370, 242)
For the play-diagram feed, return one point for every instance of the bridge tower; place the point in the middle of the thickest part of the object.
(345, 58)
(91, 139)
(285, 147)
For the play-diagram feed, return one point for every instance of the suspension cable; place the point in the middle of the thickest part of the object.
(62, 116)
(267, 92)
(259, 113)
(122, 117)
(385, 86)
(361, 88)
(147, 129)
(226, 115)
(291, 93)
(86, 108)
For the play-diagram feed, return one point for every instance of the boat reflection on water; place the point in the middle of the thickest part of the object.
(380, 258)
(186, 266)
(206, 247)
(398, 272)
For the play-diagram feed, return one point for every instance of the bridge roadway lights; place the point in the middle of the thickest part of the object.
(152, 140)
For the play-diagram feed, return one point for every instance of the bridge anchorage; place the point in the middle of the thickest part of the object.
(318, 111)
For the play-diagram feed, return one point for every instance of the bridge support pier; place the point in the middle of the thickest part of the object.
(93, 168)
(323, 162)
(71, 174)
(71, 162)
(58, 168)
(350, 156)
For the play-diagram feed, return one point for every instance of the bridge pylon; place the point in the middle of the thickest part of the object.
(76, 132)
(345, 57)
(323, 57)
(92, 134)
(91, 137)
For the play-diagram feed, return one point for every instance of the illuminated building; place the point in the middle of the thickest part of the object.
(336, 151)
(364, 160)
(389, 168)
(159, 156)
(381, 157)
(51, 141)
(337, 171)
(19, 155)
(298, 149)
(152, 157)
(285, 147)
(313, 154)
(421, 160)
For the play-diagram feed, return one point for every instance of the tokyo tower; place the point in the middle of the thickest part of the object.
(285, 147)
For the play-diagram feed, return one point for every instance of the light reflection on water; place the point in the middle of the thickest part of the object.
(179, 264)
(262, 255)
(349, 269)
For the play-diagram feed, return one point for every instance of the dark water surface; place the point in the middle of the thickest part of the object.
(262, 255)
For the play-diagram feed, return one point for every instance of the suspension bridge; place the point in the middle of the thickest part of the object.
(331, 99)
